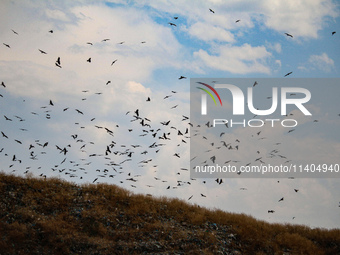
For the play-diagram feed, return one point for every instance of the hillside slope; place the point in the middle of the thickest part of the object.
(56, 217)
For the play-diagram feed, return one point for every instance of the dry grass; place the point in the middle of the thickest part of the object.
(57, 217)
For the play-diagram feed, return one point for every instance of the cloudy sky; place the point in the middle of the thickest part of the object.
(78, 120)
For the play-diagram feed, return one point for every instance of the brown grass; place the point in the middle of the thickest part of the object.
(56, 217)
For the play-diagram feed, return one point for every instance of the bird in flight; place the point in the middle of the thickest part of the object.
(172, 24)
(51, 31)
(14, 32)
(57, 63)
(333, 32)
(281, 199)
(6, 45)
(289, 35)
(211, 10)
(3, 84)
(89, 60)
(114, 61)
(255, 83)
(42, 52)
(288, 74)
(237, 21)
(182, 77)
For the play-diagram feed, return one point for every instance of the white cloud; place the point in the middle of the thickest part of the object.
(237, 59)
(301, 18)
(274, 46)
(206, 32)
(322, 62)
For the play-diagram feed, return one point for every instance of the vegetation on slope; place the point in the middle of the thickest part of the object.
(53, 216)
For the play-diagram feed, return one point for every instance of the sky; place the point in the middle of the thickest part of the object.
(102, 114)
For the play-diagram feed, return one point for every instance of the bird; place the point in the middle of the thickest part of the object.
(104, 40)
(3, 84)
(89, 43)
(182, 77)
(255, 83)
(148, 99)
(190, 197)
(203, 195)
(289, 35)
(42, 52)
(51, 31)
(114, 61)
(57, 63)
(288, 74)
(14, 32)
(296, 190)
(271, 211)
(89, 60)
(51, 103)
(6, 45)
(211, 10)
(281, 199)
(333, 32)
(172, 24)
(237, 21)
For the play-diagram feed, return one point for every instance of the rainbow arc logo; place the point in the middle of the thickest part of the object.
(209, 93)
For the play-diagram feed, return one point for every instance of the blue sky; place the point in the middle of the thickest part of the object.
(201, 45)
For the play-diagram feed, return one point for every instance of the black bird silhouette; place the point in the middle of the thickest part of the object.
(148, 99)
(255, 83)
(3, 84)
(190, 197)
(203, 195)
(114, 61)
(175, 17)
(104, 40)
(79, 111)
(89, 60)
(42, 52)
(271, 211)
(211, 11)
(288, 74)
(289, 35)
(333, 32)
(51, 31)
(57, 63)
(89, 43)
(172, 24)
(281, 199)
(6, 45)
(182, 77)
(51, 103)
(14, 32)
(237, 21)
(3, 135)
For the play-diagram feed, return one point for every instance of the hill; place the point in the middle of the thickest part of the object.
(52, 216)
